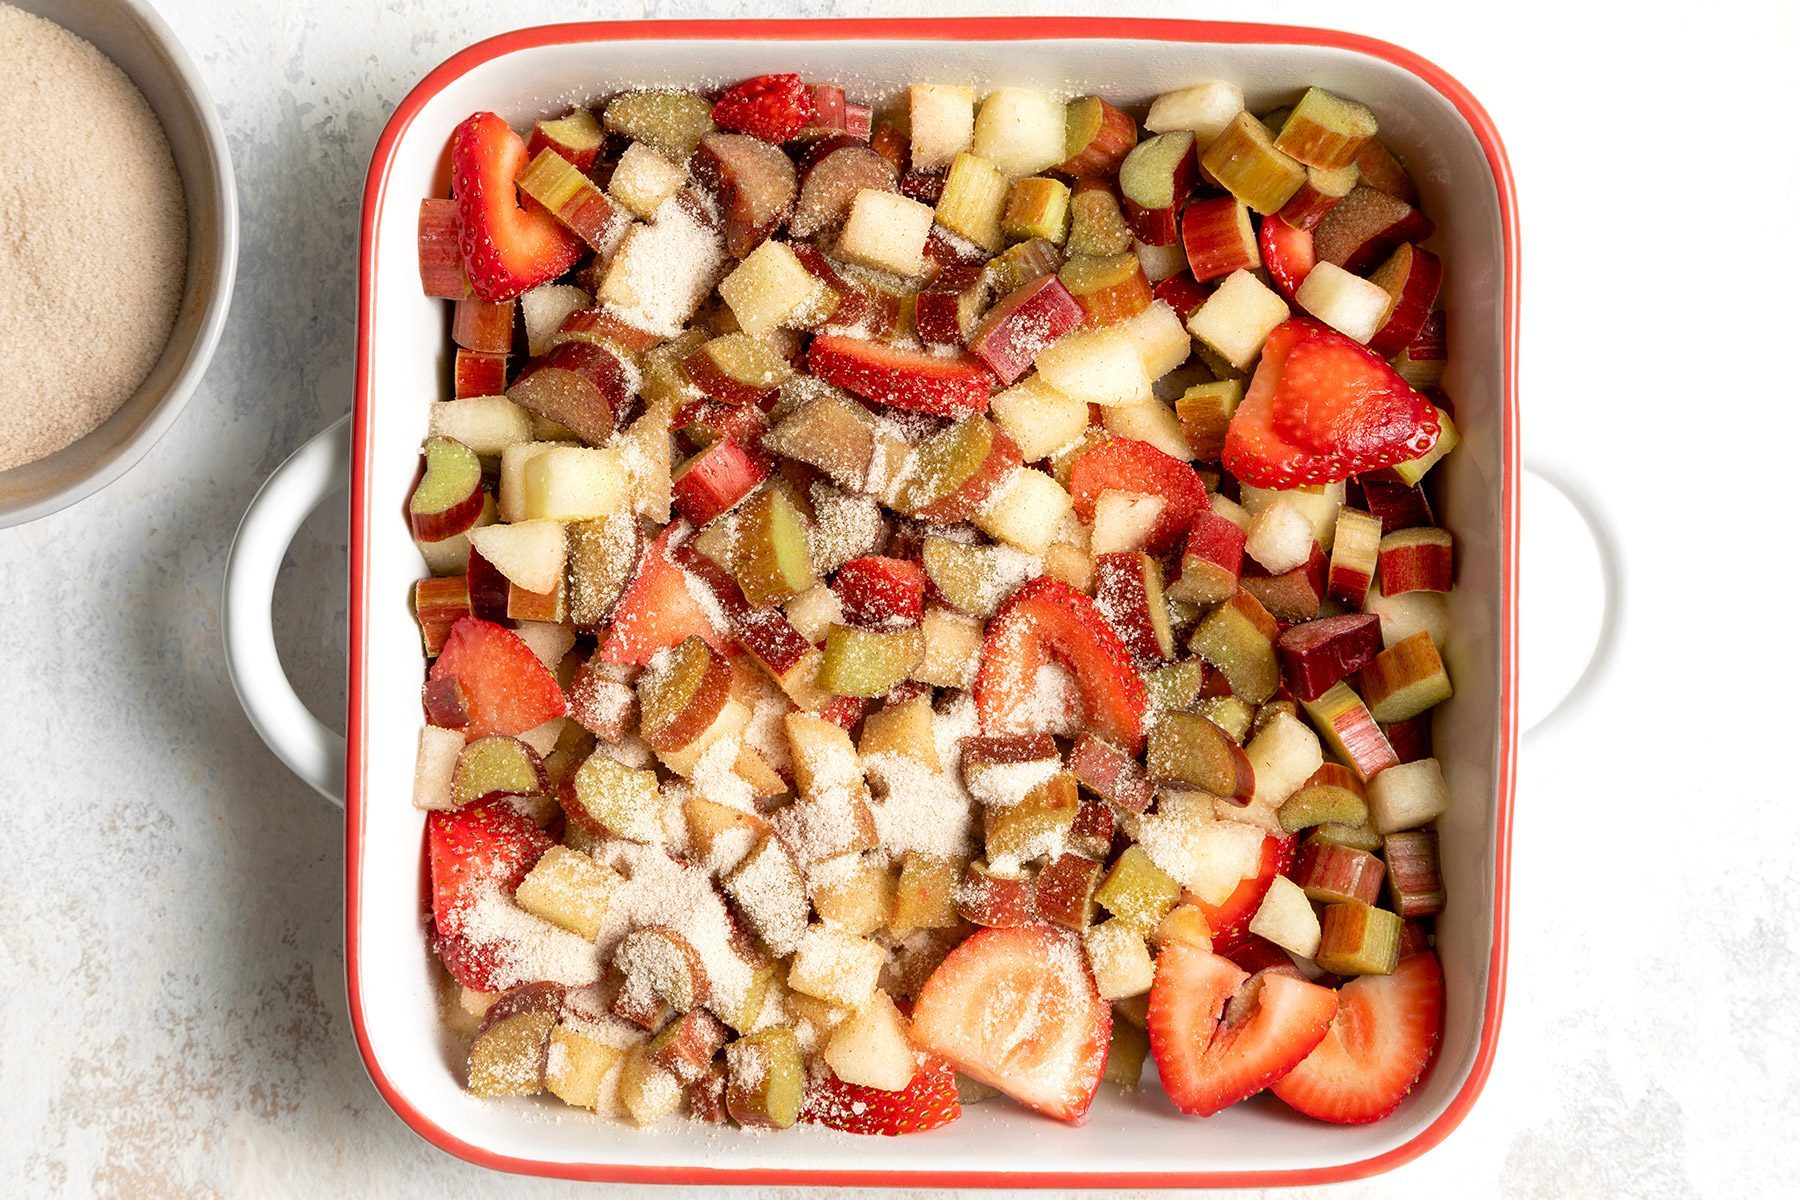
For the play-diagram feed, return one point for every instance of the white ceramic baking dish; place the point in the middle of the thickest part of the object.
(401, 360)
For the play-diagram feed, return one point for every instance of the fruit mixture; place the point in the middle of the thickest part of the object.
(935, 604)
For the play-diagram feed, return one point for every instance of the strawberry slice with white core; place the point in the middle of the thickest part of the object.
(661, 608)
(1018, 1010)
(944, 385)
(484, 846)
(506, 249)
(506, 688)
(928, 1102)
(1220, 1036)
(1048, 622)
(1386, 1029)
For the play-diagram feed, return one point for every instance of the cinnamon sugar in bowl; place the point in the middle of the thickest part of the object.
(121, 238)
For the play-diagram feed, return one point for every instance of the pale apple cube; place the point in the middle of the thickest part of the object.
(569, 889)
(643, 179)
(1098, 366)
(543, 309)
(871, 1047)
(1025, 511)
(943, 123)
(1280, 537)
(1237, 319)
(886, 231)
(1124, 521)
(1161, 262)
(1283, 756)
(1320, 502)
(1161, 338)
(1286, 918)
(550, 641)
(1205, 108)
(836, 967)
(1350, 304)
(438, 750)
(768, 890)
(1231, 510)
(814, 611)
(1020, 130)
(1206, 855)
(1120, 959)
(512, 476)
(952, 648)
(579, 1063)
(531, 553)
(1151, 421)
(574, 483)
(1408, 613)
(1038, 417)
(660, 272)
(1408, 796)
(771, 286)
(485, 424)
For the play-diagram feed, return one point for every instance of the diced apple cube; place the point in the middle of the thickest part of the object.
(836, 967)
(1320, 502)
(943, 123)
(1161, 338)
(543, 309)
(886, 231)
(573, 483)
(1021, 131)
(1204, 854)
(770, 895)
(1237, 318)
(1283, 756)
(1100, 366)
(1026, 510)
(1350, 304)
(1120, 959)
(1039, 418)
(1124, 521)
(1286, 918)
(643, 179)
(1205, 108)
(569, 889)
(771, 287)
(485, 424)
(578, 1064)
(438, 751)
(871, 1048)
(925, 897)
(1407, 796)
(952, 648)
(530, 553)
(1152, 421)
(1280, 538)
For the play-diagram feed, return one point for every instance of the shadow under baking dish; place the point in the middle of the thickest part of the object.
(1129, 1140)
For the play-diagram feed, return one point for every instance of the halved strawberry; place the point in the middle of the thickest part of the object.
(1229, 920)
(1386, 1030)
(774, 108)
(944, 385)
(506, 248)
(1321, 408)
(881, 593)
(1049, 620)
(506, 689)
(1220, 1036)
(1288, 254)
(481, 846)
(475, 965)
(659, 610)
(1018, 1010)
(1128, 465)
(928, 1102)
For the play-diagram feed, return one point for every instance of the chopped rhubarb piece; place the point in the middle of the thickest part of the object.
(880, 592)
(1397, 505)
(506, 248)
(946, 311)
(567, 194)
(1414, 879)
(914, 380)
(1217, 238)
(1110, 773)
(1411, 738)
(833, 172)
(1365, 227)
(478, 374)
(575, 136)
(1293, 595)
(1358, 939)
(1350, 730)
(1022, 323)
(714, 480)
(1332, 874)
(1097, 137)
(1129, 466)
(1416, 560)
(753, 183)
(1211, 560)
(440, 251)
(1317, 654)
(1048, 621)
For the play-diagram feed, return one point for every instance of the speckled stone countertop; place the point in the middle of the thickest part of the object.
(170, 909)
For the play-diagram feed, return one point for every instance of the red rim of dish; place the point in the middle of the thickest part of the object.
(938, 29)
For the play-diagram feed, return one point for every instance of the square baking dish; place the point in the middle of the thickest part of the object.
(1128, 1141)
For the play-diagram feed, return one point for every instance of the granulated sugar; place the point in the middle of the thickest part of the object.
(94, 249)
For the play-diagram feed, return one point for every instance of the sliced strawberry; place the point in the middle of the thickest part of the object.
(1229, 920)
(1386, 1030)
(506, 689)
(1018, 1010)
(944, 385)
(1288, 254)
(1220, 1036)
(774, 108)
(1045, 620)
(881, 593)
(481, 846)
(1128, 465)
(506, 249)
(659, 610)
(475, 965)
(928, 1102)
(1321, 408)
(1183, 293)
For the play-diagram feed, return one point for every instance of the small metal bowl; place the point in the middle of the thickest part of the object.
(133, 36)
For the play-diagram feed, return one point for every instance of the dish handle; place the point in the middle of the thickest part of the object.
(311, 475)
(1607, 559)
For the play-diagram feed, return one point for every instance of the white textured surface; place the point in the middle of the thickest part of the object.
(170, 917)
